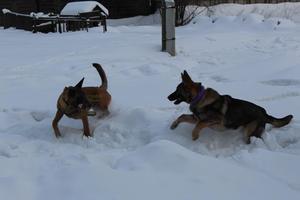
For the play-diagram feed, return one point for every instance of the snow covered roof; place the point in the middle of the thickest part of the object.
(5, 11)
(74, 8)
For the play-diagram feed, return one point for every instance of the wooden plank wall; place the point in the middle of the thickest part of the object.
(19, 6)
(129, 8)
(117, 8)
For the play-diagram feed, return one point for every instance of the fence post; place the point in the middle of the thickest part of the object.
(104, 25)
(168, 26)
(5, 21)
(34, 26)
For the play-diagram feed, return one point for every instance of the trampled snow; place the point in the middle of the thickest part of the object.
(134, 154)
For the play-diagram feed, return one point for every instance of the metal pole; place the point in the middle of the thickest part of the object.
(168, 26)
(163, 26)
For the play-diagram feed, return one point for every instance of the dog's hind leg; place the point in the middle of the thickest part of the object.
(55, 121)
(255, 129)
(184, 118)
(104, 112)
(259, 130)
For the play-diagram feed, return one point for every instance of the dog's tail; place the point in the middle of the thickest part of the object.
(279, 122)
(102, 75)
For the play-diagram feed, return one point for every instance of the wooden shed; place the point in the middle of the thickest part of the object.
(92, 10)
(79, 15)
(117, 8)
(78, 7)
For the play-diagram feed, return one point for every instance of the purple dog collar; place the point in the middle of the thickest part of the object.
(199, 95)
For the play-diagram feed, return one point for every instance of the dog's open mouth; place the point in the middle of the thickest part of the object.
(175, 98)
(91, 112)
(178, 101)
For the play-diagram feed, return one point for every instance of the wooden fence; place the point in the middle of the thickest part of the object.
(54, 23)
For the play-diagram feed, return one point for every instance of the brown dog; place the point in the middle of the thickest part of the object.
(213, 110)
(76, 101)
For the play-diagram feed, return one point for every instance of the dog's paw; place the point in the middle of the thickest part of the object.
(86, 137)
(247, 140)
(58, 136)
(174, 125)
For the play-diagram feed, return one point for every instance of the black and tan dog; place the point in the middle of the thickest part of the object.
(210, 109)
(76, 102)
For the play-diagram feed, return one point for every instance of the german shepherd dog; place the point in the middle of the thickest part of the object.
(76, 101)
(212, 110)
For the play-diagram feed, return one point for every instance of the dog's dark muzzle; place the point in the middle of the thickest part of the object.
(174, 97)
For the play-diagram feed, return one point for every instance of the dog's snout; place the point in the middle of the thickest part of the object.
(172, 96)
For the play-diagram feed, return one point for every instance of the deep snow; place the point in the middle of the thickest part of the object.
(133, 154)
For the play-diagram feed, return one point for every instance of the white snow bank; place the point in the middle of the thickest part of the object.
(209, 175)
(282, 10)
(74, 8)
(154, 19)
(287, 12)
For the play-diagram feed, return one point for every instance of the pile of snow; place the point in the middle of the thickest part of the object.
(39, 14)
(134, 154)
(5, 11)
(74, 8)
(154, 19)
(288, 11)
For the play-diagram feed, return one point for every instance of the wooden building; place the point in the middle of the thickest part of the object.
(117, 8)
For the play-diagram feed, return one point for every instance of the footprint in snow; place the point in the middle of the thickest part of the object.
(280, 96)
(219, 79)
(282, 82)
(39, 116)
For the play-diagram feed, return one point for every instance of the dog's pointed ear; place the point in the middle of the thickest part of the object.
(79, 84)
(186, 77)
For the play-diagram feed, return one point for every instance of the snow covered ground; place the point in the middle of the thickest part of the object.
(133, 154)
(288, 11)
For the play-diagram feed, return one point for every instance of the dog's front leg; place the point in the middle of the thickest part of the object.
(86, 128)
(55, 121)
(189, 118)
(201, 125)
(196, 131)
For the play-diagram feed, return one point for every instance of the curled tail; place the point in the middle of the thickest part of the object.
(102, 75)
(279, 122)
